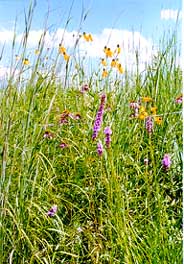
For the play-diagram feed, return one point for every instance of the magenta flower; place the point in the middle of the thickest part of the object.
(99, 149)
(149, 124)
(52, 211)
(107, 132)
(99, 118)
(48, 135)
(166, 162)
(63, 145)
(179, 99)
(85, 88)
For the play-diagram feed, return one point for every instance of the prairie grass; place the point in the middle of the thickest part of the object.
(120, 207)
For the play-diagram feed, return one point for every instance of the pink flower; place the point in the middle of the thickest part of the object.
(149, 124)
(85, 88)
(179, 99)
(99, 149)
(99, 118)
(166, 162)
(48, 135)
(107, 132)
(52, 211)
(63, 145)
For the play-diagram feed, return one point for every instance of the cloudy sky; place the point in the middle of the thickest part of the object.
(134, 24)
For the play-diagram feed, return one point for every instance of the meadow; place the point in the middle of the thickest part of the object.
(91, 165)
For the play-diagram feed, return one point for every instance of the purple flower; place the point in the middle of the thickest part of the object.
(107, 132)
(99, 149)
(149, 124)
(52, 211)
(166, 162)
(99, 118)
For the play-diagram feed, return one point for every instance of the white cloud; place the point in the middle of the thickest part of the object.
(170, 14)
(128, 41)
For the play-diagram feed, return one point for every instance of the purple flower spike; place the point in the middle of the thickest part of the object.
(100, 149)
(52, 211)
(166, 162)
(107, 132)
(99, 118)
(149, 124)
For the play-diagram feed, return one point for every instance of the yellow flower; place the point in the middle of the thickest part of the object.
(142, 115)
(86, 37)
(153, 110)
(37, 52)
(90, 37)
(26, 61)
(109, 52)
(104, 73)
(120, 68)
(62, 49)
(146, 99)
(117, 50)
(142, 109)
(66, 56)
(113, 63)
(105, 49)
(103, 62)
(158, 120)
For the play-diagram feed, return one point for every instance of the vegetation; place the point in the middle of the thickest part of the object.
(68, 196)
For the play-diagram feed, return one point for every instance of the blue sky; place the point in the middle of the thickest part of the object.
(139, 15)
(150, 19)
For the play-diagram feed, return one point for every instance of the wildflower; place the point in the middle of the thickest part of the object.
(37, 52)
(142, 115)
(99, 117)
(158, 120)
(113, 63)
(146, 99)
(66, 56)
(146, 161)
(17, 57)
(64, 117)
(105, 49)
(48, 135)
(90, 37)
(142, 109)
(52, 211)
(63, 145)
(109, 52)
(118, 49)
(79, 229)
(86, 37)
(62, 49)
(76, 116)
(153, 110)
(104, 73)
(134, 105)
(99, 149)
(166, 162)
(120, 68)
(103, 62)
(149, 124)
(107, 132)
(179, 99)
(85, 88)
(26, 61)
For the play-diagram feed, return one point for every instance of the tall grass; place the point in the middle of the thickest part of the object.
(121, 207)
